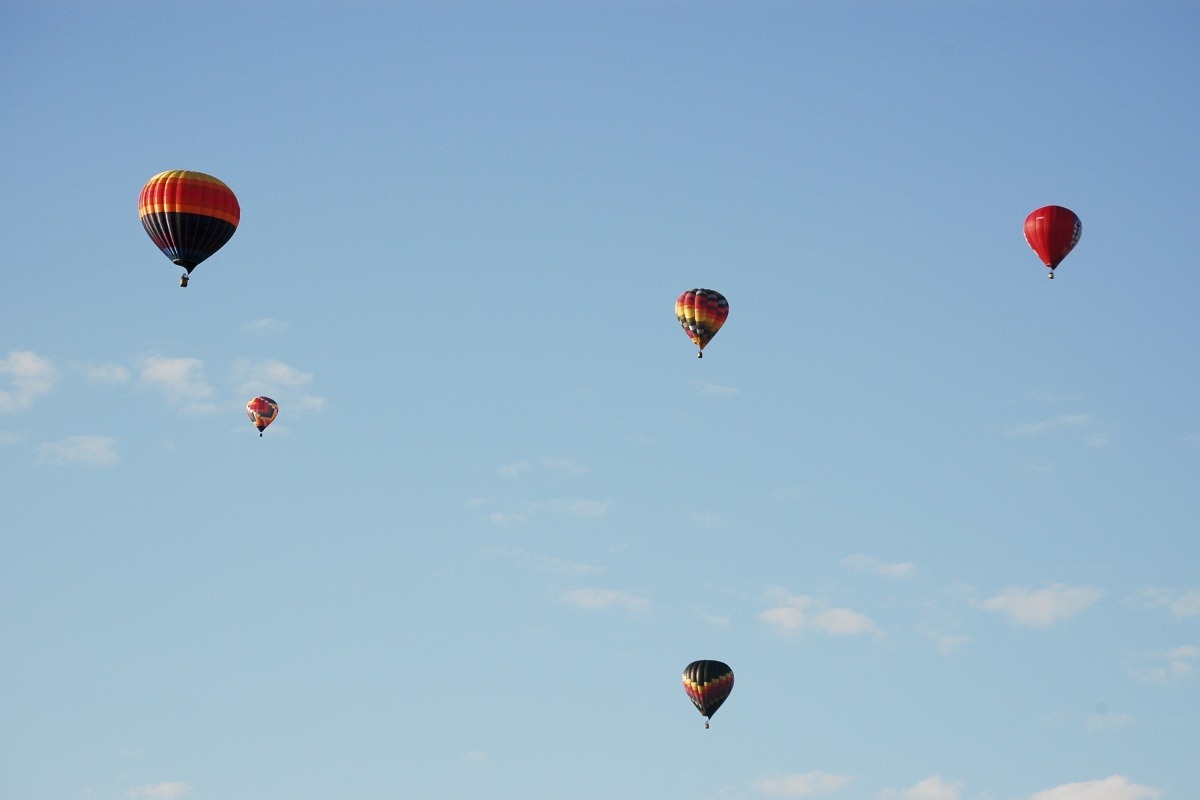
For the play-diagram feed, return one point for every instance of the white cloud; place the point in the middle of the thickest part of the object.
(272, 378)
(1169, 666)
(515, 468)
(862, 563)
(593, 599)
(712, 388)
(806, 785)
(933, 788)
(267, 326)
(590, 509)
(1061, 422)
(1115, 787)
(1180, 602)
(475, 757)
(89, 451)
(1042, 607)
(180, 379)
(563, 465)
(171, 790)
(793, 613)
(29, 376)
(8, 437)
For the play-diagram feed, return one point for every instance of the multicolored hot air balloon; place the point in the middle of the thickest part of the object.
(708, 684)
(1052, 231)
(262, 411)
(701, 312)
(189, 215)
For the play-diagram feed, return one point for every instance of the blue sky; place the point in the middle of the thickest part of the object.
(937, 512)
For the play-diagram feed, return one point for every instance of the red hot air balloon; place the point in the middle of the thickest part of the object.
(708, 684)
(701, 312)
(1052, 231)
(189, 215)
(262, 411)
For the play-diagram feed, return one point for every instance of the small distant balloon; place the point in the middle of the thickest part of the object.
(262, 411)
(1052, 232)
(708, 684)
(188, 215)
(701, 313)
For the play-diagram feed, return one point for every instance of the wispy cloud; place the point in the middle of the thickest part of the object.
(523, 467)
(181, 380)
(171, 790)
(88, 451)
(593, 599)
(1167, 667)
(873, 566)
(267, 326)
(793, 613)
(1179, 602)
(1102, 721)
(1115, 787)
(945, 643)
(27, 376)
(273, 377)
(542, 563)
(1041, 607)
(1058, 423)
(107, 373)
(580, 508)
(808, 784)
(713, 388)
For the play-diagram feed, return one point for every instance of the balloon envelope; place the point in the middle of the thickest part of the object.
(701, 313)
(189, 215)
(262, 411)
(1052, 232)
(708, 683)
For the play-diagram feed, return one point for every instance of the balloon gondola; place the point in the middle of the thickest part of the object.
(701, 313)
(188, 215)
(1052, 232)
(708, 684)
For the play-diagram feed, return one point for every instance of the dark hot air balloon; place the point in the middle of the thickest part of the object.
(262, 411)
(701, 312)
(708, 684)
(1052, 231)
(189, 215)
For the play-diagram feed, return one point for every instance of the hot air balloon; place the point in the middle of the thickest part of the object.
(707, 683)
(262, 411)
(189, 215)
(701, 312)
(1052, 231)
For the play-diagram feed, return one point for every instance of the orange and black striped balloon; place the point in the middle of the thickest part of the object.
(701, 312)
(708, 684)
(262, 411)
(189, 215)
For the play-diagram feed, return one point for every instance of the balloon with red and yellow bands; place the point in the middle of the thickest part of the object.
(188, 215)
(701, 313)
(262, 411)
(708, 684)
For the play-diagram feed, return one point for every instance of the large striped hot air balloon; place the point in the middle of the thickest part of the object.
(189, 215)
(701, 312)
(1052, 232)
(262, 411)
(708, 684)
